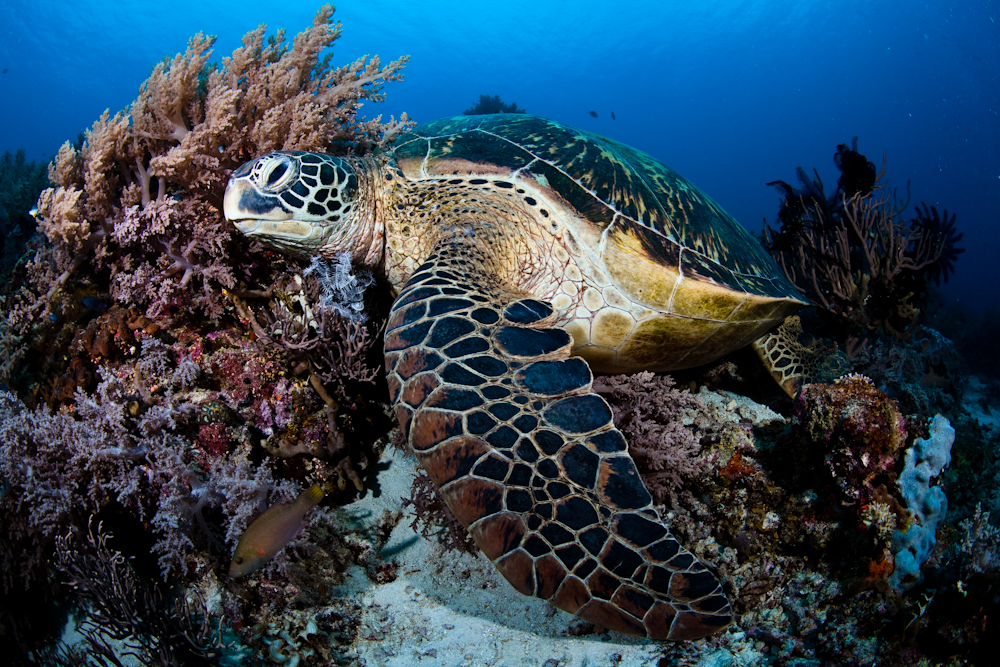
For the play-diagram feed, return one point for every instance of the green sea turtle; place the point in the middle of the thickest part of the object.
(523, 250)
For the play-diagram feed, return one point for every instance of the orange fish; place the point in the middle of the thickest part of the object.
(271, 531)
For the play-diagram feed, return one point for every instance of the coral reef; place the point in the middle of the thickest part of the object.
(140, 395)
(647, 410)
(851, 433)
(492, 104)
(124, 614)
(801, 517)
(150, 389)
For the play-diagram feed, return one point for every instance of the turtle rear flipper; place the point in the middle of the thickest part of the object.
(793, 364)
(526, 456)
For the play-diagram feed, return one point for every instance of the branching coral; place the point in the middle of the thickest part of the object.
(854, 253)
(142, 193)
(123, 445)
(54, 467)
(11, 351)
(58, 465)
(317, 319)
(979, 544)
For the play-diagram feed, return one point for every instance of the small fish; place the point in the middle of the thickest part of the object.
(612, 115)
(270, 532)
(5, 70)
(593, 114)
(33, 212)
(94, 304)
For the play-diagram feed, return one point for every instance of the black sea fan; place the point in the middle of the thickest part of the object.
(801, 209)
(937, 231)
(857, 174)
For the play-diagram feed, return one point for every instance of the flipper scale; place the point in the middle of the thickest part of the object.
(526, 455)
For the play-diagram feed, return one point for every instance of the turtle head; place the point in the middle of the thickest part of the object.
(297, 202)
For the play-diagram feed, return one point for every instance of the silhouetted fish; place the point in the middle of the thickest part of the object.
(4, 70)
(612, 115)
(593, 114)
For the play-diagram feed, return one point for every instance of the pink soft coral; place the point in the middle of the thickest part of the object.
(648, 409)
(142, 194)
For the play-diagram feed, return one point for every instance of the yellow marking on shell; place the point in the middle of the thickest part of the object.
(731, 336)
(665, 342)
(639, 276)
(600, 359)
(579, 329)
(703, 300)
(611, 328)
(759, 308)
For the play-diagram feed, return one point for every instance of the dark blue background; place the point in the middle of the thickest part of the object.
(731, 94)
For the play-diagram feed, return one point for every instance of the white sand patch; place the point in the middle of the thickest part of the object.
(449, 608)
(976, 404)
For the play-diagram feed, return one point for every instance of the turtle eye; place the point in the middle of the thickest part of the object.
(276, 173)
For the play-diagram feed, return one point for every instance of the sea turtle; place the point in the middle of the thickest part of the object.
(523, 250)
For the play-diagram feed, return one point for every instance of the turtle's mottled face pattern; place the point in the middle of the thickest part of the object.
(291, 199)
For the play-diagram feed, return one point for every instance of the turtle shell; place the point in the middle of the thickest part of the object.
(665, 244)
(607, 183)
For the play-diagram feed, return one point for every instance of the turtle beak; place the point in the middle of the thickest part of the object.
(262, 216)
(248, 227)
(248, 209)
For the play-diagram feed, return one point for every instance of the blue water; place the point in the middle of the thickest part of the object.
(731, 94)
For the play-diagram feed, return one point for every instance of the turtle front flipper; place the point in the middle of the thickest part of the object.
(525, 454)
